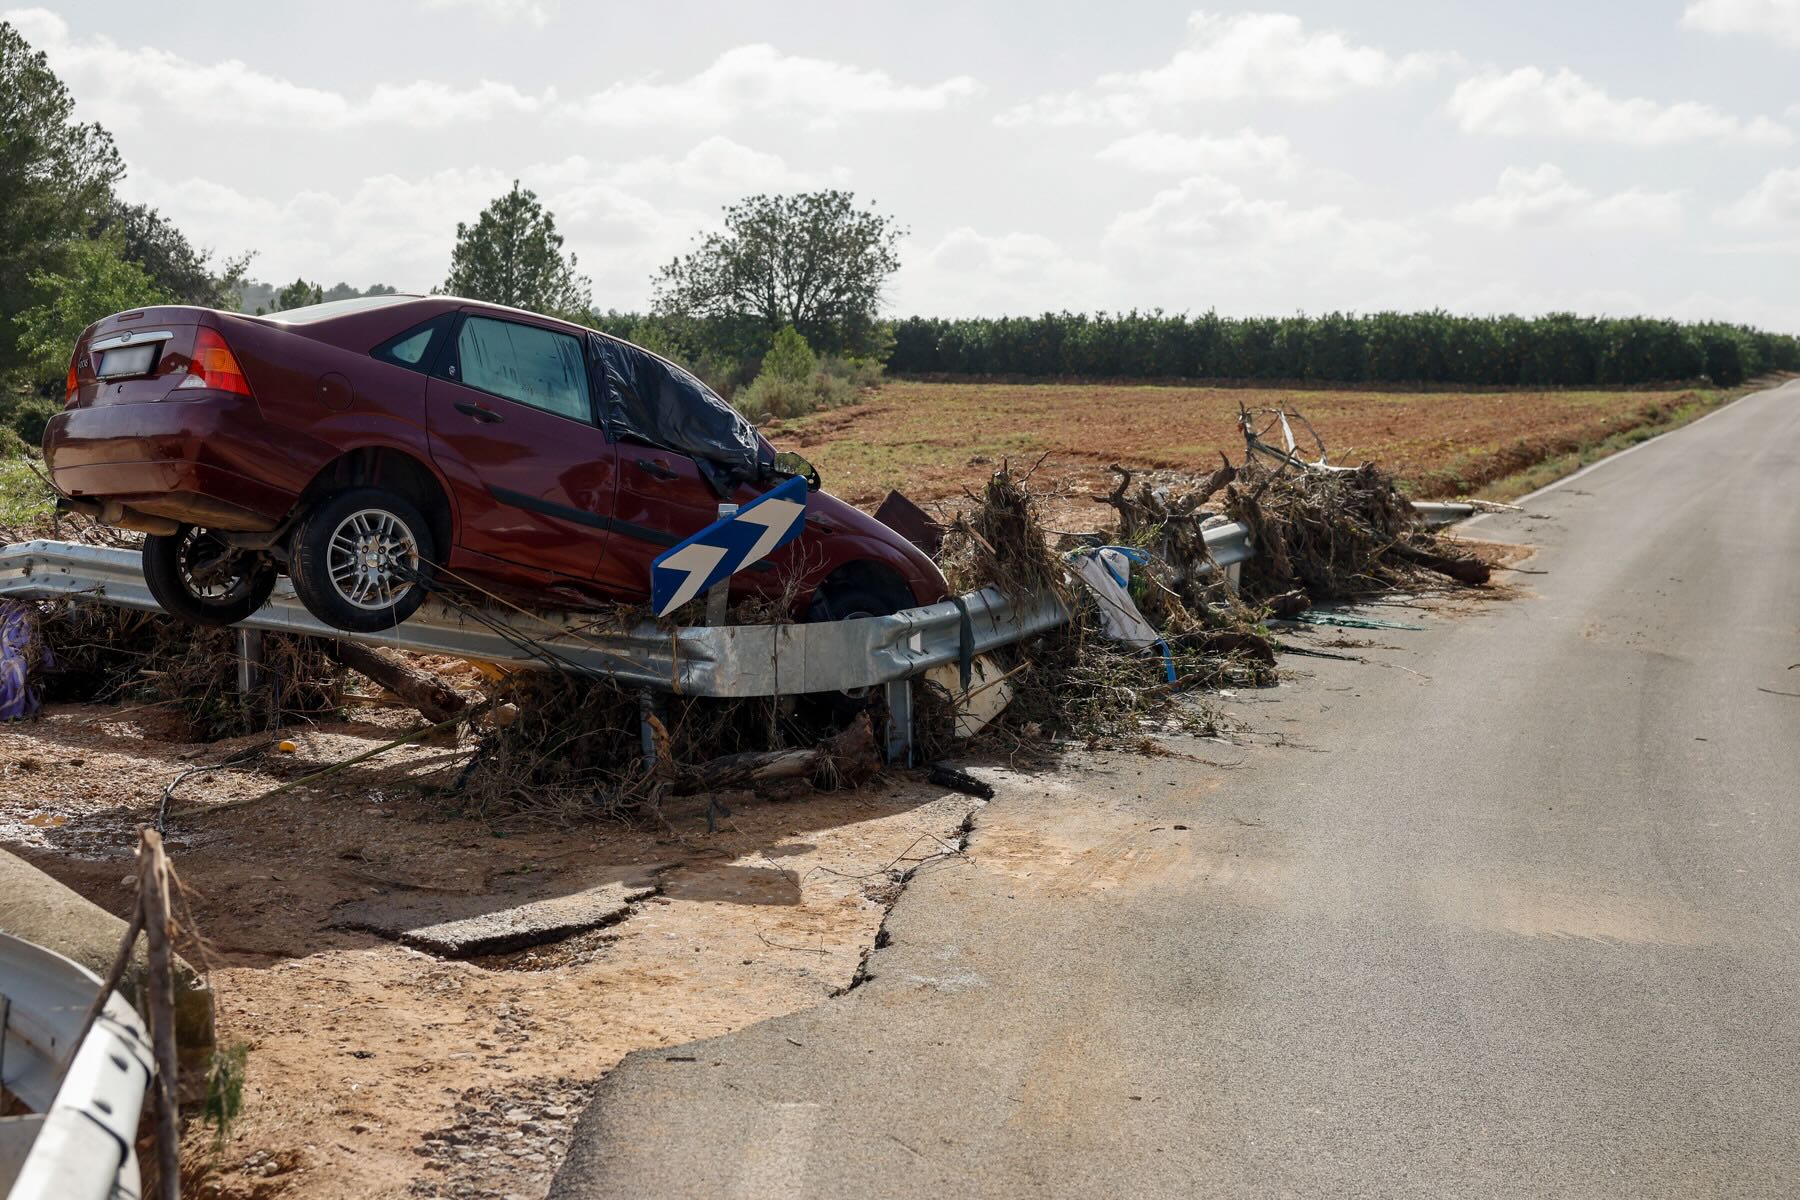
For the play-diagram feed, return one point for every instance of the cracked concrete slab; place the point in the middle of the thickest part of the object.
(470, 926)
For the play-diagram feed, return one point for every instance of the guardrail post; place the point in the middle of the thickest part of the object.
(647, 712)
(719, 595)
(899, 721)
(249, 660)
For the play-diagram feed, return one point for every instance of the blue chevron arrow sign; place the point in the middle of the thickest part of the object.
(727, 546)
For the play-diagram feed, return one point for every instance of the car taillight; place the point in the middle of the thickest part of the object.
(214, 365)
(74, 380)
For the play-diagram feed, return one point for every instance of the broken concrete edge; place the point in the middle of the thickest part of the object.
(424, 926)
(578, 1168)
(37, 908)
(964, 831)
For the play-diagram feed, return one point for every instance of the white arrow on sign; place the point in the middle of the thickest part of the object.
(776, 517)
(698, 560)
(730, 544)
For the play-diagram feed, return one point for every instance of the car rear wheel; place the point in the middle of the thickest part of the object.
(361, 560)
(195, 575)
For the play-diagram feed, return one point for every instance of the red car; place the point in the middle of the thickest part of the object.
(363, 446)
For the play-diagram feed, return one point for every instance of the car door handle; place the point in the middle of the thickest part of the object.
(656, 469)
(485, 415)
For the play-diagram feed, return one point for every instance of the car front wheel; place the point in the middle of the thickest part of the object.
(361, 560)
(195, 575)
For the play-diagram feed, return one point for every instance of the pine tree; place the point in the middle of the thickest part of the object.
(513, 255)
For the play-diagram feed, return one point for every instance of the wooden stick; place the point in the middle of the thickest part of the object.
(154, 906)
(854, 747)
(421, 689)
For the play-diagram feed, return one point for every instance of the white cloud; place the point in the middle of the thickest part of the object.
(1218, 235)
(1233, 57)
(118, 85)
(969, 273)
(536, 13)
(721, 165)
(759, 79)
(1772, 204)
(1245, 151)
(1778, 19)
(622, 220)
(1529, 103)
(1544, 197)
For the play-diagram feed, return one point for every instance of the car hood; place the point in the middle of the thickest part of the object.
(927, 581)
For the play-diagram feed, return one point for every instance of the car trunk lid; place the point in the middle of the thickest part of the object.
(132, 357)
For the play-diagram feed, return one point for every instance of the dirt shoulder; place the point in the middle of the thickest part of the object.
(377, 1070)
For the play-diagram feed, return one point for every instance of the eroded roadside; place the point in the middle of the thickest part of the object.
(375, 1069)
(424, 999)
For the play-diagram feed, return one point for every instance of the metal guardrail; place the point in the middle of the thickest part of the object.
(728, 661)
(733, 661)
(77, 1143)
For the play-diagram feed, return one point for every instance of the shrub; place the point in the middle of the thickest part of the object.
(25, 415)
(833, 391)
(857, 372)
(790, 358)
(773, 397)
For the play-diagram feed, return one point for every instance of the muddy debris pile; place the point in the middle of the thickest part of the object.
(97, 654)
(1321, 533)
(1080, 680)
(1337, 534)
(76, 651)
(559, 749)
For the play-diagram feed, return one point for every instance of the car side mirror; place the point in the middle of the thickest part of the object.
(789, 463)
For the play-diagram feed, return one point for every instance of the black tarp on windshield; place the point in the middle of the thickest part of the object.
(649, 400)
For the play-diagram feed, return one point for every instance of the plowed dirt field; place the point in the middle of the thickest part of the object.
(931, 440)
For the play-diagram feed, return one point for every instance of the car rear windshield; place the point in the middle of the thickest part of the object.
(335, 308)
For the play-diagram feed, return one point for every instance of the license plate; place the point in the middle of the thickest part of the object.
(126, 360)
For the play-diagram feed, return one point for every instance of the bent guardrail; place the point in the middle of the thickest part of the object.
(77, 1142)
(728, 661)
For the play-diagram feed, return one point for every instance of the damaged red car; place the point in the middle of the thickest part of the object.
(375, 448)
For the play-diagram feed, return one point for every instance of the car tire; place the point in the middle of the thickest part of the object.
(852, 601)
(195, 576)
(361, 560)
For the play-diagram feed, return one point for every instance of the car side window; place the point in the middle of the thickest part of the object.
(415, 348)
(410, 350)
(525, 364)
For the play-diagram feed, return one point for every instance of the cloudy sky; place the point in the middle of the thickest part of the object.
(1602, 155)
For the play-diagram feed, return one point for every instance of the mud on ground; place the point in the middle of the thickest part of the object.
(378, 1070)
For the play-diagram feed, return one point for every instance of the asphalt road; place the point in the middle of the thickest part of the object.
(1518, 919)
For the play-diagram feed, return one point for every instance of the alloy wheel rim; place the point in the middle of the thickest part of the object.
(372, 559)
(211, 571)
